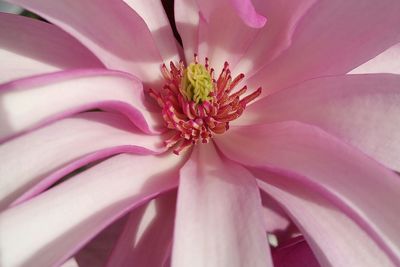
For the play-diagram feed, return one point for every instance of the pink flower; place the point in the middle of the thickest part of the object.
(84, 172)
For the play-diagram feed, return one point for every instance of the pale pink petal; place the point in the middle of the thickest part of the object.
(187, 21)
(386, 62)
(335, 239)
(29, 158)
(218, 220)
(275, 37)
(28, 102)
(153, 14)
(110, 29)
(98, 250)
(223, 36)
(147, 236)
(64, 218)
(369, 192)
(70, 263)
(362, 110)
(219, 30)
(294, 253)
(30, 47)
(334, 37)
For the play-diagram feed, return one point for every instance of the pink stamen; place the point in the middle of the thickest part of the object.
(191, 123)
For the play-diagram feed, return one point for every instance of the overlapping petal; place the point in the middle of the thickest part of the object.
(30, 47)
(147, 237)
(363, 110)
(64, 218)
(116, 34)
(218, 220)
(332, 38)
(28, 102)
(335, 239)
(26, 160)
(368, 191)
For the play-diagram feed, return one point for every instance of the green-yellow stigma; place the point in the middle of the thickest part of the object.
(196, 83)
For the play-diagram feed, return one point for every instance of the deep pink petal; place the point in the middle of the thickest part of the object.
(62, 219)
(147, 236)
(275, 37)
(116, 34)
(218, 220)
(333, 38)
(153, 14)
(368, 190)
(386, 62)
(248, 13)
(30, 47)
(335, 239)
(362, 110)
(28, 102)
(26, 160)
(294, 253)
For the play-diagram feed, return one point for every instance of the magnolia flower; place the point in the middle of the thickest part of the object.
(277, 157)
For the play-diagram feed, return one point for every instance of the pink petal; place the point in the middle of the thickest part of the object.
(153, 14)
(37, 100)
(335, 239)
(295, 253)
(362, 110)
(223, 36)
(386, 62)
(147, 236)
(110, 29)
(368, 192)
(334, 37)
(97, 251)
(248, 13)
(216, 41)
(30, 47)
(27, 159)
(187, 22)
(218, 220)
(275, 37)
(64, 218)
(276, 221)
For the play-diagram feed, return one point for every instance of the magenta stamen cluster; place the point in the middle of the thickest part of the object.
(191, 122)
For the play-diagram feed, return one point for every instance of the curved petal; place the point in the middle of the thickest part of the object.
(386, 62)
(153, 14)
(28, 102)
(58, 222)
(26, 160)
(333, 38)
(218, 220)
(368, 190)
(96, 252)
(147, 236)
(110, 29)
(30, 47)
(362, 110)
(275, 37)
(203, 28)
(335, 239)
(294, 253)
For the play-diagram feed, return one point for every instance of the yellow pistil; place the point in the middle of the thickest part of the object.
(196, 83)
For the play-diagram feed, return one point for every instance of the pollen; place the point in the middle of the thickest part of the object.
(195, 106)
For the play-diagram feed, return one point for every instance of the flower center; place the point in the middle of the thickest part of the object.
(195, 106)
